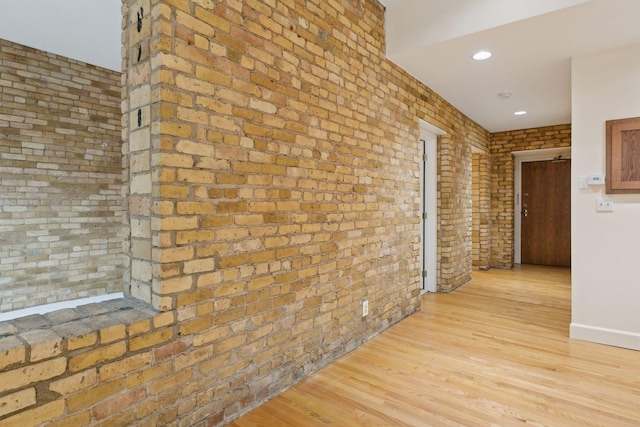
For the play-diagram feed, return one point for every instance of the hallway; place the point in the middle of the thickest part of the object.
(495, 352)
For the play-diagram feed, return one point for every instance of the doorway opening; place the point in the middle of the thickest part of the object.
(429, 208)
(542, 207)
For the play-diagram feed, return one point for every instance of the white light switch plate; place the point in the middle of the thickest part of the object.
(583, 182)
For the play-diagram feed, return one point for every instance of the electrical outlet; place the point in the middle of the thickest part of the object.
(604, 205)
(365, 307)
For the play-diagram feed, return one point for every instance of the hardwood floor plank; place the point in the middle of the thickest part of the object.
(495, 352)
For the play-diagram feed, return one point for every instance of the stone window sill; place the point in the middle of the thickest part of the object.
(42, 336)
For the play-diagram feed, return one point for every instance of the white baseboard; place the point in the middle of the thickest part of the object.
(614, 337)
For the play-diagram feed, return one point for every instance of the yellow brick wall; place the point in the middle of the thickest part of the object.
(60, 179)
(481, 223)
(502, 181)
(273, 184)
(139, 151)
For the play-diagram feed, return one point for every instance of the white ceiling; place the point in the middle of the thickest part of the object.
(532, 43)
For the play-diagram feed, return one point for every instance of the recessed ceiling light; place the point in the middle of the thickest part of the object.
(482, 55)
(520, 113)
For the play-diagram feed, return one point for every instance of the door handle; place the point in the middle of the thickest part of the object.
(525, 212)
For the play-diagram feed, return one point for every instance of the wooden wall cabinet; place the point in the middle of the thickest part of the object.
(623, 156)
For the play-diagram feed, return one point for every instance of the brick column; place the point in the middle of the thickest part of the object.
(481, 211)
(137, 147)
(455, 217)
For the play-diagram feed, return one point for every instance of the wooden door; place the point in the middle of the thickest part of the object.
(546, 213)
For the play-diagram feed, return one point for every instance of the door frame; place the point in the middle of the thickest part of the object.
(519, 158)
(428, 201)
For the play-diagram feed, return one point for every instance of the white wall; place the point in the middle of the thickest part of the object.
(605, 246)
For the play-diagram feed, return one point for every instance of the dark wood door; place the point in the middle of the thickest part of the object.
(546, 213)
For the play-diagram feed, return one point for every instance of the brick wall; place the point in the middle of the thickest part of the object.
(60, 179)
(272, 162)
(481, 224)
(502, 181)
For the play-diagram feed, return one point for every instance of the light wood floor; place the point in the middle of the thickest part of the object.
(495, 352)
